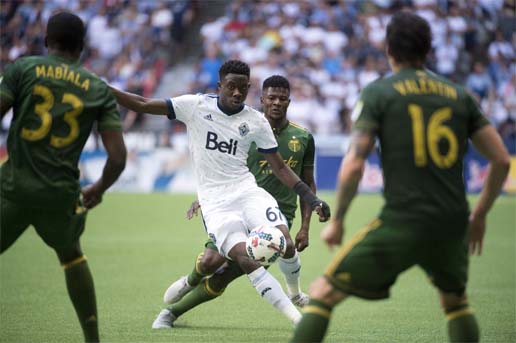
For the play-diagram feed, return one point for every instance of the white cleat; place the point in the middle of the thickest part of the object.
(177, 290)
(300, 299)
(164, 320)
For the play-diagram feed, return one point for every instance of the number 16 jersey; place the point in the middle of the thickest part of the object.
(423, 122)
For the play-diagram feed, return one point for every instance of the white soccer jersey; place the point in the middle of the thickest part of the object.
(219, 144)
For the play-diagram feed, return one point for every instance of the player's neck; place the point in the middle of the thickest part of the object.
(73, 57)
(396, 67)
(278, 125)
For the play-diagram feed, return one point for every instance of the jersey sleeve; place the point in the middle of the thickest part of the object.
(264, 137)
(476, 118)
(366, 114)
(308, 159)
(109, 117)
(9, 81)
(182, 107)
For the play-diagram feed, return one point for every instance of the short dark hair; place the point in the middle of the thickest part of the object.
(234, 67)
(276, 81)
(65, 31)
(409, 38)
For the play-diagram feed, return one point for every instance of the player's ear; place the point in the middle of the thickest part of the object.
(219, 85)
(261, 99)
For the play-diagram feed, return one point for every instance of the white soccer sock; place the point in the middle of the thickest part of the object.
(291, 267)
(270, 289)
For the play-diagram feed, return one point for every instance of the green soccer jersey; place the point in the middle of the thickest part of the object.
(296, 147)
(423, 123)
(55, 104)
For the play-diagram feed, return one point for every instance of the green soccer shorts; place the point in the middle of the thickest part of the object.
(368, 265)
(59, 228)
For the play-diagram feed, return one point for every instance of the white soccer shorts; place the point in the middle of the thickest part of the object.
(229, 223)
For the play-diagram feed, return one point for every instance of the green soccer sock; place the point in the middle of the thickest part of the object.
(314, 323)
(462, 325)
(82, 293)
(200, 294)
(195, 277)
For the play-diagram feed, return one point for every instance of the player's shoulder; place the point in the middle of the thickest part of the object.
(298, 130)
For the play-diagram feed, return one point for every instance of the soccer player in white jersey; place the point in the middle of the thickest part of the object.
(221, 129)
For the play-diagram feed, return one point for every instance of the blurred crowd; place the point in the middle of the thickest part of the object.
(129, 43)
(330, 50)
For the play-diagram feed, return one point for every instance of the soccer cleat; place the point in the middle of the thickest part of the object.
(164, 320)
(177, 290)
(300, 299)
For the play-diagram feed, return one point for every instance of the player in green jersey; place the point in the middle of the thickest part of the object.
(56, 103)
(296, 146)
(423, 123)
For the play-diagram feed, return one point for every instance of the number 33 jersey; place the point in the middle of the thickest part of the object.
(55, 104)
(219, 144)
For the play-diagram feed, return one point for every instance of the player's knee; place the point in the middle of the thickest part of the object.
(69, 254)
(321, 289)
(210, 262)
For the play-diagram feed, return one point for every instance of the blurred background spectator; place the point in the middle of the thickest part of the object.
(329, 50)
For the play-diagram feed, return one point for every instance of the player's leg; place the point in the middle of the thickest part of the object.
(317, 313)
(209, 289)
(462, 323)
(290, 266)
(14, 220)
(263, 281)
(61, 230)
(261, 208)
(356, 270)
(446, 263)
(206, 263)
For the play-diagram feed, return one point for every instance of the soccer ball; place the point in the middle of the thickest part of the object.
(265, 244)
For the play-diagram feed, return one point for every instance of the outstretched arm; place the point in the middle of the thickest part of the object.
(139, 103)
(350, 174)
(290, 179)
(487, 141)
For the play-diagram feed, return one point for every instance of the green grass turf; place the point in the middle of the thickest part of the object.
(138, 244)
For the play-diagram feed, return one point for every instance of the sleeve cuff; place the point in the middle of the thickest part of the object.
(268, 151)
(171, 114)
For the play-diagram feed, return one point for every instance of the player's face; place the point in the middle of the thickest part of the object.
(233, 91)
(275, 101)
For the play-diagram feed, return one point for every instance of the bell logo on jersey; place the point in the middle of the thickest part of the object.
(225, 147)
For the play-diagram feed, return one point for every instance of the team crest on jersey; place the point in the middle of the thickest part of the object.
(243, 129)
(294, 144)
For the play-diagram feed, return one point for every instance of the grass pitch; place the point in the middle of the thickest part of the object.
(138, 244)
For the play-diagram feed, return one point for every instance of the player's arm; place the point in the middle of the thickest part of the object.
(350, 174)
(6, 102)
(291, 180)
(116, 156)
(302, 237)
(488, 142)
(139, 103)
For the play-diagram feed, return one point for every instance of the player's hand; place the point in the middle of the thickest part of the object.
(477, 229)
(92, 195)
(333, 233)
(193, 210)
(301, 239)
(323, 210)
